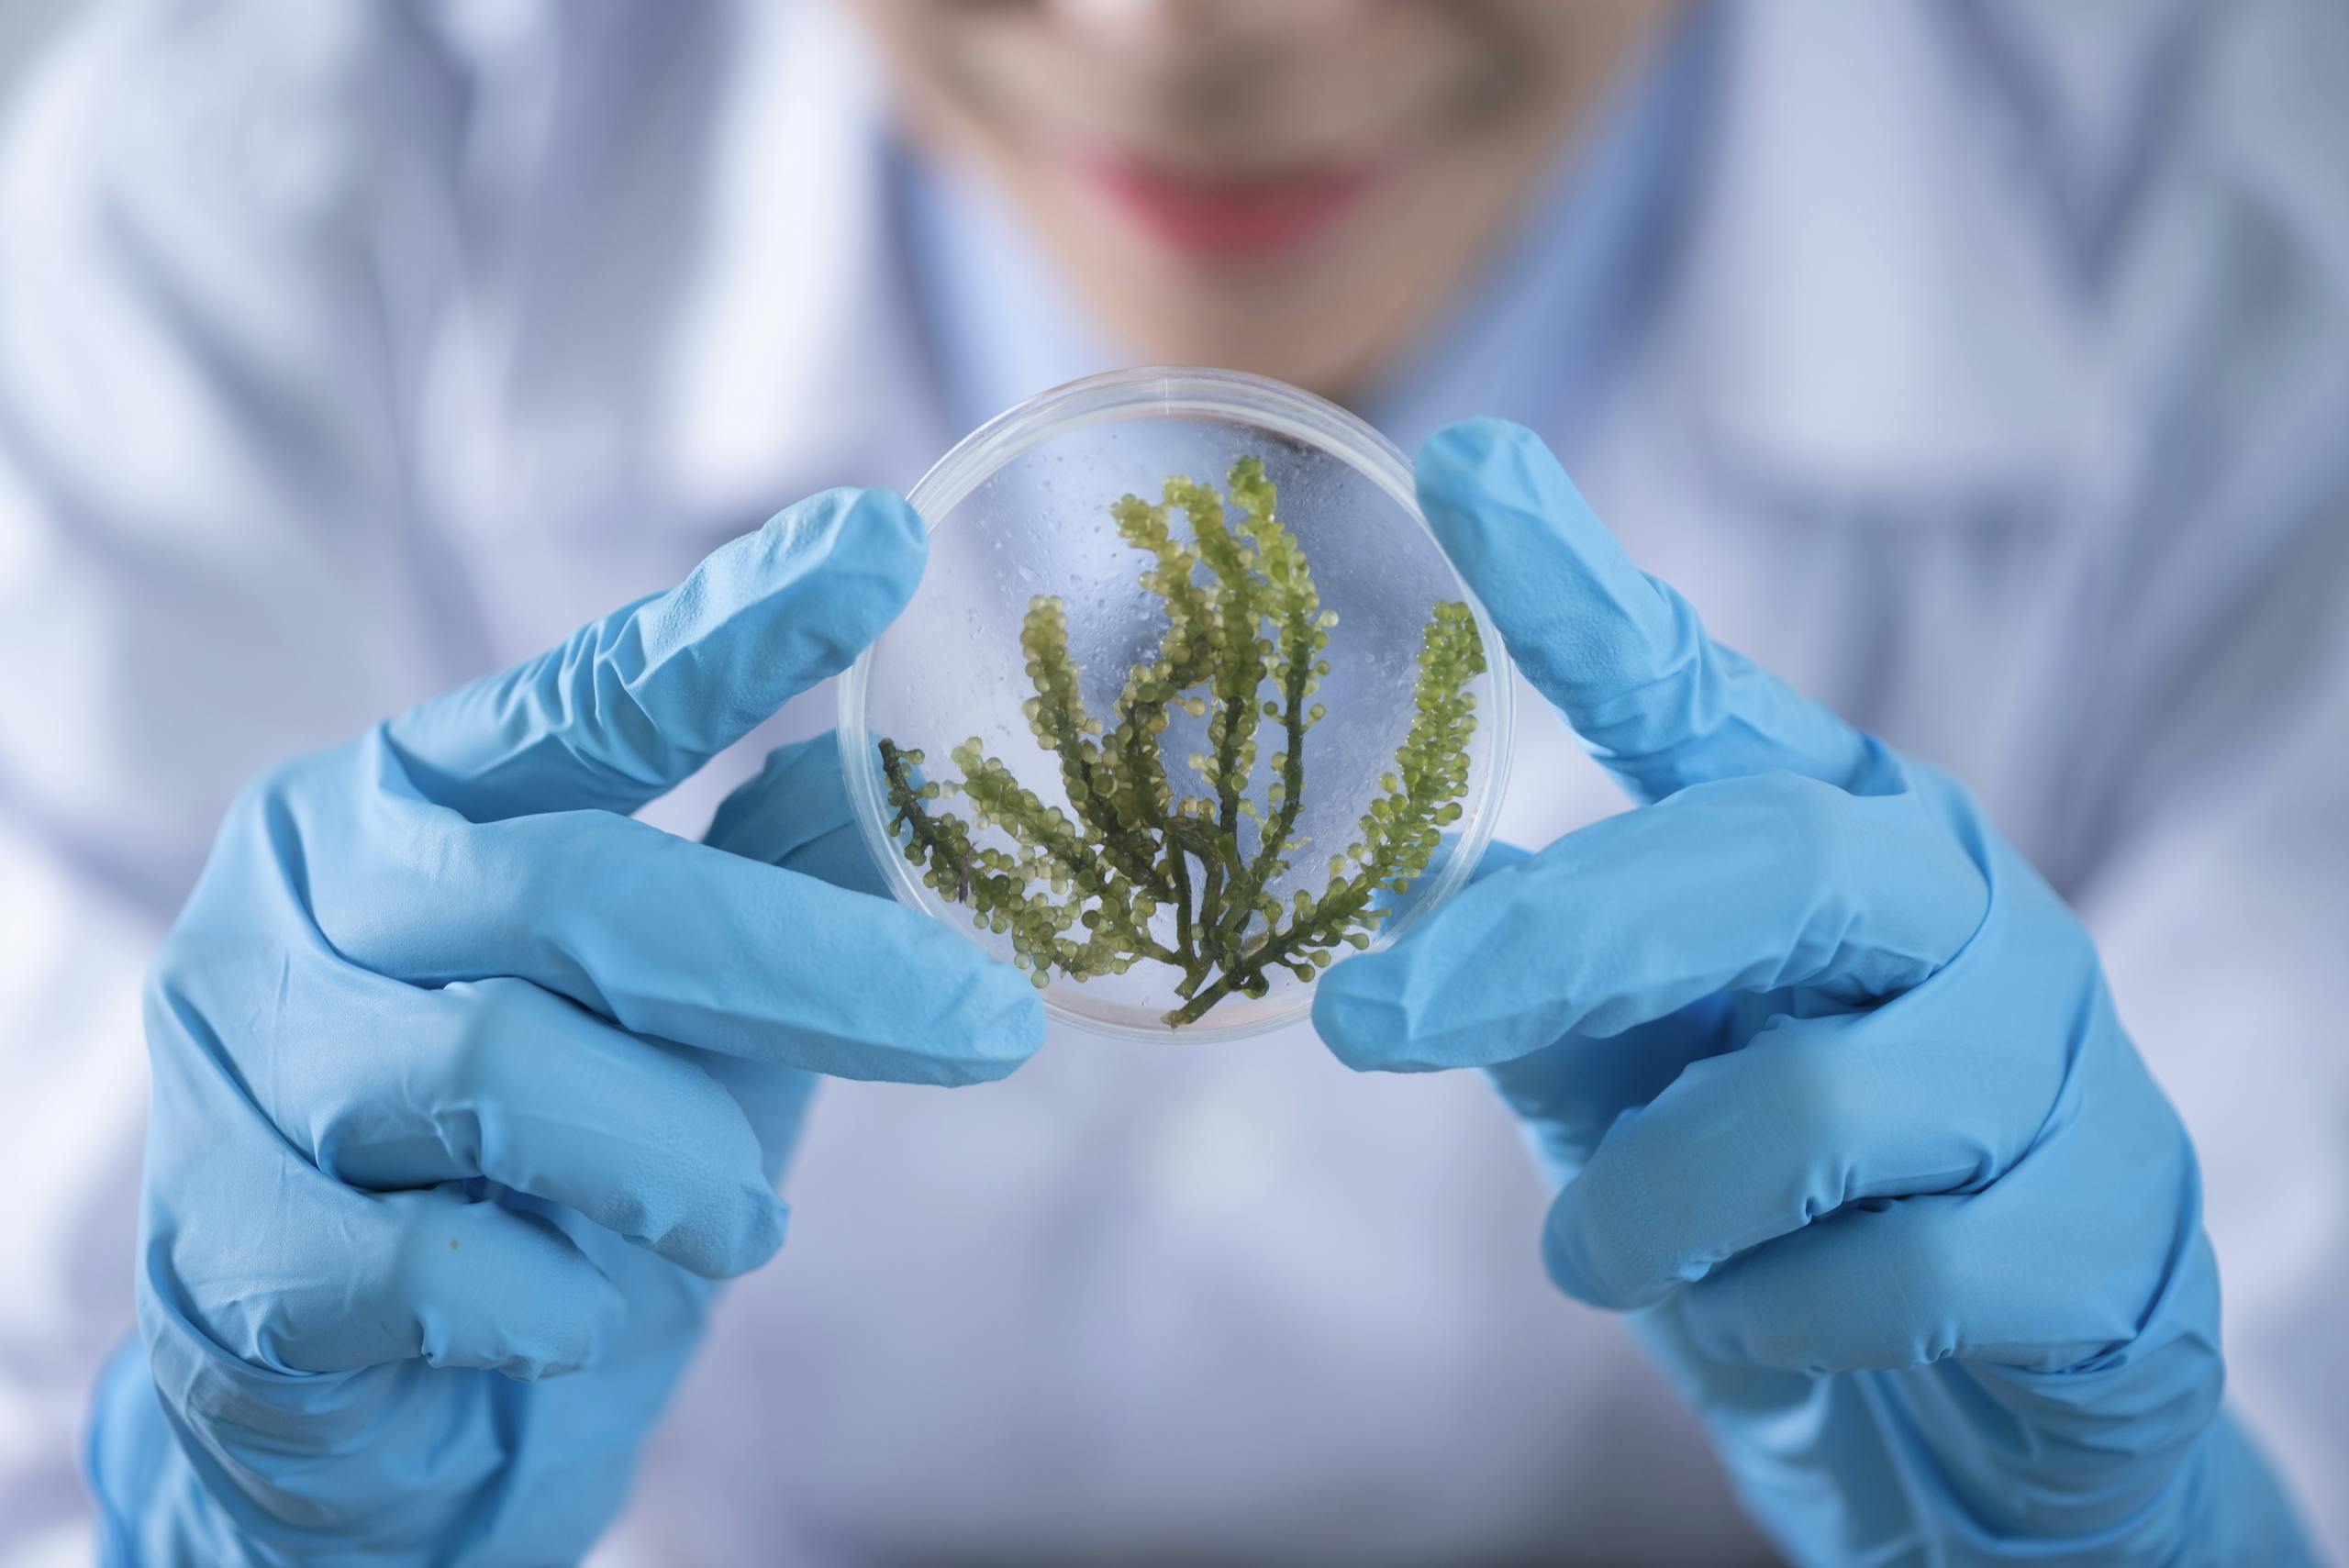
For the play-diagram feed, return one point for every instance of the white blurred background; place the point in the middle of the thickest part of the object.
(1135, 1285)
(24, 25)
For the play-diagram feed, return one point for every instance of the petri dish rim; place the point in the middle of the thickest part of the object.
(1158, 392)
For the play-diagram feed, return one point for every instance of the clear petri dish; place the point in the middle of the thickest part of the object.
(1021, 511)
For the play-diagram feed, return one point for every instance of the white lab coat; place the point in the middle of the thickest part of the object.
(1996, 395)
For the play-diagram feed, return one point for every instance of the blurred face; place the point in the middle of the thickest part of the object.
(1289, 186)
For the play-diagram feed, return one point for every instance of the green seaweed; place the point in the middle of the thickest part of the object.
(1082, 892)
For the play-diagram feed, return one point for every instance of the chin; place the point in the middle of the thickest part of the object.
(1317, 355)
(1296, 310)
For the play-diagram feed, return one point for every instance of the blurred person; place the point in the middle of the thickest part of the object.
(1978, 369)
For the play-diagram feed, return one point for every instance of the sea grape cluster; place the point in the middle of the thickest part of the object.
(1136, 870)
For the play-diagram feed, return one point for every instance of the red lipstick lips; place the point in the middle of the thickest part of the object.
(1232, 215)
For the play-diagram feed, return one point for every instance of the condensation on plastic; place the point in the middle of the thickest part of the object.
(1020, 508)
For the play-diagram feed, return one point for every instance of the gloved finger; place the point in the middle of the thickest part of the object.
(499, 1079)
(334, 1279)
(796, 814)
(1809, 1115)
(1908, 1282)
(665, 938)
(632, 704)
(1622, 656)
(2092, 1241)
(1749, 884)
(1568, 1092)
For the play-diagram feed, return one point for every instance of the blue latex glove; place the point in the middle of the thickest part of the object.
(467, 1085)
(1833, 1091)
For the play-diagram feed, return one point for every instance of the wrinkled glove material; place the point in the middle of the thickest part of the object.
(1831, 1093)
(468, 1088)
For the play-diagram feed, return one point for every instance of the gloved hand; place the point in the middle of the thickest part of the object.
(1834, 1095)
(467, 1085)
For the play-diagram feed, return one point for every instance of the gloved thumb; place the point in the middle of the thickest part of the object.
(630, 704)
(1621, 654)
(796, 814)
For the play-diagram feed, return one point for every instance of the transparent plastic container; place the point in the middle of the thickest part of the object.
(1020, 510)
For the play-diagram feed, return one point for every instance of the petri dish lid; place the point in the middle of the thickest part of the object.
(1020, 510)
